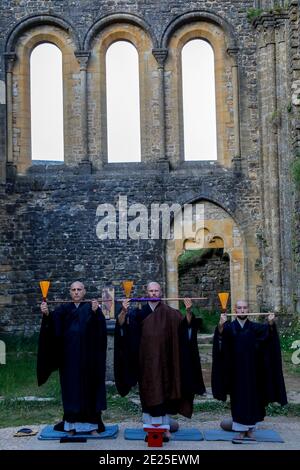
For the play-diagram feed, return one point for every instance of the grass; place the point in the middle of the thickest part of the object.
(119, 408)
(216, 407)
(18, 379)
(289, 367)
(18, 376)
(289, 334)
(291, 409)
(20, 413)
(253, 13)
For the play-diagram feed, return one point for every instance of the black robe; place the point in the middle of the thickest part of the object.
(247, 366)
(154, 350)
(74, 341)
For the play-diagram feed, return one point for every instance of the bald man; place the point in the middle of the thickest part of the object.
(157, 347)
(247, 366)
(73, 340)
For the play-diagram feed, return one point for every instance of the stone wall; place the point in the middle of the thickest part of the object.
(206, 278)
(48, 212)
(49, 227)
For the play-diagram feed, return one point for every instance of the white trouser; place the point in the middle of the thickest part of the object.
(80, 427)
(156, 420)
(243, 427)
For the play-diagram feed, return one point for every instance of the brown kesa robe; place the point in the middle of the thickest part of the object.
(154, 349)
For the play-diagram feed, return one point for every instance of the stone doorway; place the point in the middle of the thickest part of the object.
(219, 231)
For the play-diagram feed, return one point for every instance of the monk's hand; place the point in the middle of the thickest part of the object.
(95, 305)
(122, 315)
(223, 319)
(271, 318)
(188, 305)
(44, 308)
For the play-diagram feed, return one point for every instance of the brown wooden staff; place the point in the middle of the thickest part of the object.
(253, 314)
(133, 299)
(127, 286)
(258, 314)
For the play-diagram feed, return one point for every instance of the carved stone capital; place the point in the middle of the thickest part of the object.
(83, 58)
(266, 34)
(233, 52)
(10, 58)
(160, 55)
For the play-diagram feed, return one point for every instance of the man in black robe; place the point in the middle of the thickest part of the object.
(156, 347)
(73, 340)
(247, 366)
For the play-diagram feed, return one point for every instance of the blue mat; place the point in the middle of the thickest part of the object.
(181, 435)
(261, 435)
(48, 433)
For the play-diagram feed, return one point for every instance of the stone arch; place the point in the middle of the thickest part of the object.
(18, 89)
(208, 27)
(195, 16)
(127, 18)
(99, 43)
(219, 229)
(37, 20)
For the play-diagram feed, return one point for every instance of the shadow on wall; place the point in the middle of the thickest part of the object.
(204, 272)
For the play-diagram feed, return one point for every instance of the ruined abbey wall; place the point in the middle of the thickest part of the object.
(48, 212)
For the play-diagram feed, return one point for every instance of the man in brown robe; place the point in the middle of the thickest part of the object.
(157, 347)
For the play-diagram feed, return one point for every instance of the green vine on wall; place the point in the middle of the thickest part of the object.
(254, 13)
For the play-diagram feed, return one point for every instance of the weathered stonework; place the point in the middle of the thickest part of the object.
(48, 212)
(209, 276)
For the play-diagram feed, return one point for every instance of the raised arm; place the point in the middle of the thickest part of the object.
(123, 312)
(188, 306)
(222, 321)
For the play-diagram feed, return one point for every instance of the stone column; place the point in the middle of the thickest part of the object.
(160, 56)
(10, 58)
(274, 176)
(294, 129)
(269, 117)
(83, 58)
(237, 275)
(233, 52)
(285, 158)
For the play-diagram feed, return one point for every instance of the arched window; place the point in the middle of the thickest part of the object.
(199, 107)
(46, 95)
(123, 103)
